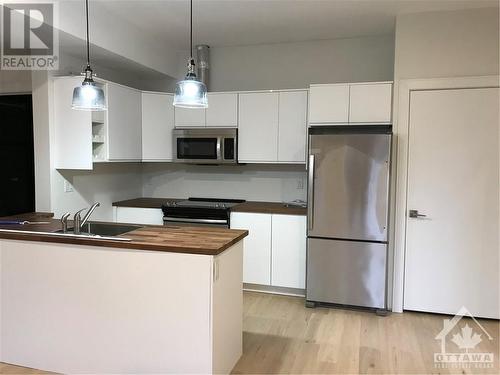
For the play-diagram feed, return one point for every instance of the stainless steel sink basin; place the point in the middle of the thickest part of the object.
(104, 229)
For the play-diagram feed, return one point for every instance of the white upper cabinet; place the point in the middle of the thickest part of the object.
(258, 127)
(124, 123)
(329, 104)
(222, 111)
(190, 117)
(370, 103)
(73, 129)
(367, 103)
(157, 126)
(292, 137)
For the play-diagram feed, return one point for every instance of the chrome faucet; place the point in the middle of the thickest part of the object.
(79, 222)
(64, 222)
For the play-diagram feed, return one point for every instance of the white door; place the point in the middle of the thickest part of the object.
(157, 126)
(222, 111)
(292, 135)
(257, 246)
(289, 251)
(189, 117)
(328, 104)
(258, 127)
(124, 123)
(453, 178)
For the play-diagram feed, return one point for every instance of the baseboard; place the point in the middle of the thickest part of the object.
(274, 290)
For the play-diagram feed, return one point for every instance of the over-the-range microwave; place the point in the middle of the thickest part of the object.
(206, 146)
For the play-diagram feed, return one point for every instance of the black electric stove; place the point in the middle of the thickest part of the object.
(199, 212)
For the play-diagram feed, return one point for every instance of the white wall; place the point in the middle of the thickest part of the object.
(251, 182)
(126, 73)
(297, 65)
(112, 33)
(447, 44)
(106, 184)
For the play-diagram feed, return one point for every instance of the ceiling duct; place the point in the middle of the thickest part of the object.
(202, 64)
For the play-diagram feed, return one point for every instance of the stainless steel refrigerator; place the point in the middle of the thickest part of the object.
(348, 217)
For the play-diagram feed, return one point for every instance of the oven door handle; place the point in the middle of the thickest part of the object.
(203, 221)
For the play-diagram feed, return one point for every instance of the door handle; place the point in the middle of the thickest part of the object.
(414, 214)
(310, 188)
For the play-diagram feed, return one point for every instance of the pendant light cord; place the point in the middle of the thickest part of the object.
(191, 30)
(88, 37)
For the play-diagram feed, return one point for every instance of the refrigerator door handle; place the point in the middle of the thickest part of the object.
(310, 193)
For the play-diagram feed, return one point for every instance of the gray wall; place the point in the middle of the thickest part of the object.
(297, 65)
(15, 81)
(447, 44)
(272, 66)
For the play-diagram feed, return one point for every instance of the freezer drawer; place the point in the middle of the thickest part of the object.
(346, 272)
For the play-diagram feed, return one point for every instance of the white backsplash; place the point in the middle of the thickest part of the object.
(257, 182)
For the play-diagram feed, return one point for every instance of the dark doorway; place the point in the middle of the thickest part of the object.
(17, 177)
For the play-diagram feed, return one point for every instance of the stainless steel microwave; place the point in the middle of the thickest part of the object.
(206, 146)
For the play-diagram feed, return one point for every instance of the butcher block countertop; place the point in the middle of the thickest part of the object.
(249, 206)
(190, 240)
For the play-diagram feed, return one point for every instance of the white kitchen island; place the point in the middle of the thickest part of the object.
(82, 308)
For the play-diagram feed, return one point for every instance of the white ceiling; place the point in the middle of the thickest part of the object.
(244, 22)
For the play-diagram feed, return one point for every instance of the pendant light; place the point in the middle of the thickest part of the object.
(191, 92)
(88, 96)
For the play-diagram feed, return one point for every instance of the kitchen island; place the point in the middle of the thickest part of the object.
(163, 300)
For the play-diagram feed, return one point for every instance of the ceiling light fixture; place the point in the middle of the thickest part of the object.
(88, 96)
(191, 92)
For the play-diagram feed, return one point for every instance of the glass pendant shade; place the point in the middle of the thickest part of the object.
(88, 97)
(190, 93)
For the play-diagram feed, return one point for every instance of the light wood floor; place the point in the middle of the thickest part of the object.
(282, 336)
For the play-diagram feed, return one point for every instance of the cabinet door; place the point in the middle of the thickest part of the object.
(157, 126)
(222, 111)
(73, 129)
(132, 215)
(289, 251)
(257, 246)
(292, 136)
(124, 123)
(189, 117)
(329, 104)
(370, 103)
(258, 127)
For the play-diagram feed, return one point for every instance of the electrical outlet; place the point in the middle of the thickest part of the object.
(300, 184)
(68, 188)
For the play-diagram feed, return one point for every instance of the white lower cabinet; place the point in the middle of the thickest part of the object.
(133, 215)
(288, 251)
(275, 249)
(257, 248)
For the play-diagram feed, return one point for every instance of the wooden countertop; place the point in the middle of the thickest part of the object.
(250, 206)
(191, 240)
(269, 208)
